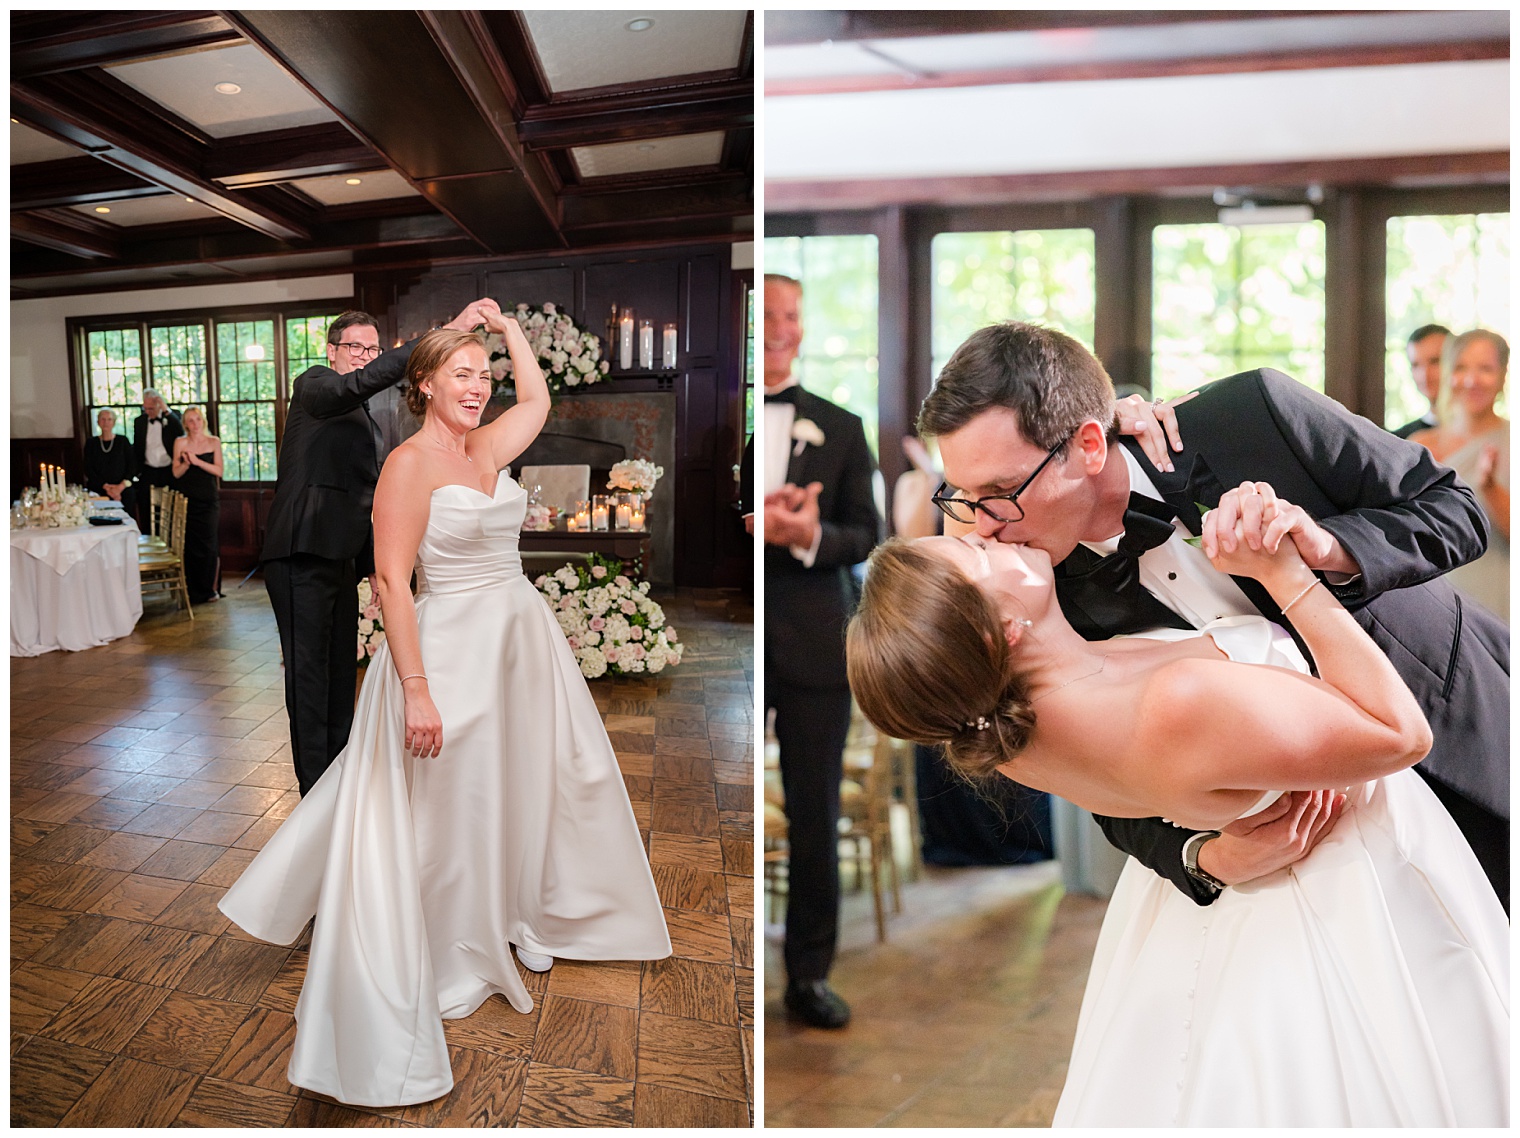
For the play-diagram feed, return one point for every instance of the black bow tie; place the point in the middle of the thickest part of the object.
(785, 395)
(156, 419)
(1102, 596)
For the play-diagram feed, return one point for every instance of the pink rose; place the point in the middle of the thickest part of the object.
(611, 655)
(637, 650)
(628, 607)
(670, 634)
(636, 633)
(597, 624)
(575, 643)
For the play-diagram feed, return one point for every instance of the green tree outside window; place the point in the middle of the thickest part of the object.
(1229, 298)
(1045, 276)
(245, 365)
(839, 311)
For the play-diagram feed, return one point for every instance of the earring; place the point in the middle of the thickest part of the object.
(429, 394)
(1024, 622)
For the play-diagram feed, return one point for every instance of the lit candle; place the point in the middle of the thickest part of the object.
(646, 343)
(625, 339)
(599, 512)
(582, 518)
(670, 346)
(637, 521)
(624, 516)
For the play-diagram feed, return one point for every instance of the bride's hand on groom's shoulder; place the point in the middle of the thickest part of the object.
(1153, 425)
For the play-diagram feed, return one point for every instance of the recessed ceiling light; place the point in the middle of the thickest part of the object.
(353, 181)
(189, 199)
(227, 89)
(102, 209)
(15, 120)
(639, 25)
(646, 146)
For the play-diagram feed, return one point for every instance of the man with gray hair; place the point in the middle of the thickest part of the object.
(153, 435)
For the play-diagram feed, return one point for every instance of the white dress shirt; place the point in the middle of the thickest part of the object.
(779, 418)
(1177, 574)
(154, 452)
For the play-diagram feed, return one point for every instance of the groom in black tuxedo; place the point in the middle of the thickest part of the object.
(318, 543)
(1377, 518)
(820, 519)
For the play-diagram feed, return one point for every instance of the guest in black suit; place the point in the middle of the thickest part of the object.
(1375, 516)
(1424, 350)
(820, 519)
(153, 435)
(109, 464)
(318, 541)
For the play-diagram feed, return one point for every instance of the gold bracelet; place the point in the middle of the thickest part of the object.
(1300, 596)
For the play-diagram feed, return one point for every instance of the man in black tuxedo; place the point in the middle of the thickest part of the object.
(1424, 351)
(1375, 516)
(318, 541)
(153, 435)
(820, 519)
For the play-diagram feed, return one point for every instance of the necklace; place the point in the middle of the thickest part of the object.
(105, 447)
(1068, 683)
(448, 448)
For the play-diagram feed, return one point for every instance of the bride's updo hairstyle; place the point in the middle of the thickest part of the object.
(430, 354)
(928, 661)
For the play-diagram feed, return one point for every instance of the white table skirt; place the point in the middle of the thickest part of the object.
(99, 598)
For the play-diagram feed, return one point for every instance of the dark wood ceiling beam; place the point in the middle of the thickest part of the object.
(804, 27)
(74, 181)
(65, 232)
(428, 140)
(729, 197)
(58, 41)
(82, 109)
(1349, 55)
(814, 196)
(283, 155)
(658, 113)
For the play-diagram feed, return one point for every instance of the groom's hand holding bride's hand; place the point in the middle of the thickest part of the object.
(475, 314)
(1252, 517)
(1273, 838)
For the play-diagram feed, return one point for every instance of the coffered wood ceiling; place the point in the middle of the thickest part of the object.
(359, 140)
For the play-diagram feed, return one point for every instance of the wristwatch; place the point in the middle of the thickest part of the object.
(1190, 850)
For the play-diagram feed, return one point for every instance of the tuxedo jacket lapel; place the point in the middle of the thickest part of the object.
(797, 464)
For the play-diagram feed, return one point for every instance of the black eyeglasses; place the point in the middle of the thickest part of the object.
(964, 509)
(358, 349)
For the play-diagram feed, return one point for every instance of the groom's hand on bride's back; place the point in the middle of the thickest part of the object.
(1272, 839)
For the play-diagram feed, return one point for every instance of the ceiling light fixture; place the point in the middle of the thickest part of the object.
(353, 181)
(646, 146)
(227, 89)
(642, 24)
(189, 199)
(102, 209)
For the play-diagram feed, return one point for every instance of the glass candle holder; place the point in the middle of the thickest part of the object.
(625, 338)
(600, 512)
(668, 356)
(623, 512)
(646, 344)
(581, 519)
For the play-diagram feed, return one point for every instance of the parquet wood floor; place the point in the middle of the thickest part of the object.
(145, 775)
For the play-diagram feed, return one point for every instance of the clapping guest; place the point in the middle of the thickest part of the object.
(153, 435)
(197, 472)
(109, 465)
(1424, 351)
(1473, 439)
(820, 519)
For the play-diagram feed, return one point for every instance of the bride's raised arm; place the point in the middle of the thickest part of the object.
(510, 433)
(1276, 729)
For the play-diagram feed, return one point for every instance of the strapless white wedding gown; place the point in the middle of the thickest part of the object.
(422, 872)
(1368, 985)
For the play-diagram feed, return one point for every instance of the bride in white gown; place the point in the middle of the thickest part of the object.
(478, 803)
(1365, 985)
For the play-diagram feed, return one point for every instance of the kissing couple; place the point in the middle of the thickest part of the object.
(1242, 657)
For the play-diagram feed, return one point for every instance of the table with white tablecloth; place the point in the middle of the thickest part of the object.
(73, 588)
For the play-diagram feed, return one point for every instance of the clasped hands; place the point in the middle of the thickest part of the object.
(791, 515)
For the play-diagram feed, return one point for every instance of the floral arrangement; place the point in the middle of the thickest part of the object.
(637, 474)
(609, 620)
(569, 356)
(56, 509)
(371, 628)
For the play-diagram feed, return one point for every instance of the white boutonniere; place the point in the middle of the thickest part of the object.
(807, 433)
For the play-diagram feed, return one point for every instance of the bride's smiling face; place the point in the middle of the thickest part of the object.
(1017, 578)
(460, 388)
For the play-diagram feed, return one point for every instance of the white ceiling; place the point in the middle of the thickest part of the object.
(28, 145)
(148, 211)
(373, 186)
(1117, 124)
(931, 55)
(673, 153)
(269, 100)
(596, 49)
